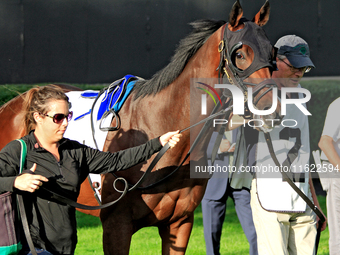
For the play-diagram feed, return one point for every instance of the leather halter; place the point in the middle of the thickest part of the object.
(226, 68)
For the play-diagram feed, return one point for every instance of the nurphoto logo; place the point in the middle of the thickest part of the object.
(238, 99)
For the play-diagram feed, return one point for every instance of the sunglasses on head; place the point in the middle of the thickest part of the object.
(59, 117)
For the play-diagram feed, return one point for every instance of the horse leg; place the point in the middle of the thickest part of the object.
(175, 237)
(116, 237)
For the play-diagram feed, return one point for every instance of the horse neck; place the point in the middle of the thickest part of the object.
(202, 65)
(171, 106)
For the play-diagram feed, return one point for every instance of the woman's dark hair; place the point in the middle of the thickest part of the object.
(37, 100)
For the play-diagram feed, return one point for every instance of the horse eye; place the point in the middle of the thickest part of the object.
(239, 55)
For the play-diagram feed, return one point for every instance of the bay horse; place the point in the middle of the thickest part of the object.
(162, 104)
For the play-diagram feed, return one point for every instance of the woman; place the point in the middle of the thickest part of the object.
(61, 165)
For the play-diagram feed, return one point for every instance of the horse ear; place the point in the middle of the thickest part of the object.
(262, 17)
(235, 15)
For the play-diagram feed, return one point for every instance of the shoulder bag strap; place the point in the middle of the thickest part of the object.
(21, 202)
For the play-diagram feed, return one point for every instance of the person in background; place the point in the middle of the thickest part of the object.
(330, 180)
(214, 203)
(283, 221)
(61, 165)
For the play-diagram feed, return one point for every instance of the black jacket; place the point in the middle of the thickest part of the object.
(53, 224)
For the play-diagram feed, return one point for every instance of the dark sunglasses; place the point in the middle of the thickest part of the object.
(59, 117)
(293, 69)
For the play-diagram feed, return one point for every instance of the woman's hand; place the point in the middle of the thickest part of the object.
(171, 137)
(29, 182)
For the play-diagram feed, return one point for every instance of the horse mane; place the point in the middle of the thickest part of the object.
(202, 30)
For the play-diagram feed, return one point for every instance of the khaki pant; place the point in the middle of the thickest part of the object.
(283, 233)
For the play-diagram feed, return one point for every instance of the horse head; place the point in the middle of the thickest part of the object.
(247, 61)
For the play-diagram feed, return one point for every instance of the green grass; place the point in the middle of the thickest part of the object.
(147, 241)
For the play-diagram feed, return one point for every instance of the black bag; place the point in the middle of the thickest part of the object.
(9, 218)
(9, 225)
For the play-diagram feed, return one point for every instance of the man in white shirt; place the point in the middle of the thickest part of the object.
(284, 223)
(330, 180)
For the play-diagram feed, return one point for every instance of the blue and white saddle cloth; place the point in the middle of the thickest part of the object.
(112, 98)
(102, 103)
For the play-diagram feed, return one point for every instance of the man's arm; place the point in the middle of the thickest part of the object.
(316, 202)
(326, 145)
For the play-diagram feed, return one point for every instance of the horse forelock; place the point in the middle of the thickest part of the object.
(202, 30)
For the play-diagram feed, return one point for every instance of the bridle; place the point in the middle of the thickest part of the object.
(236, 76)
